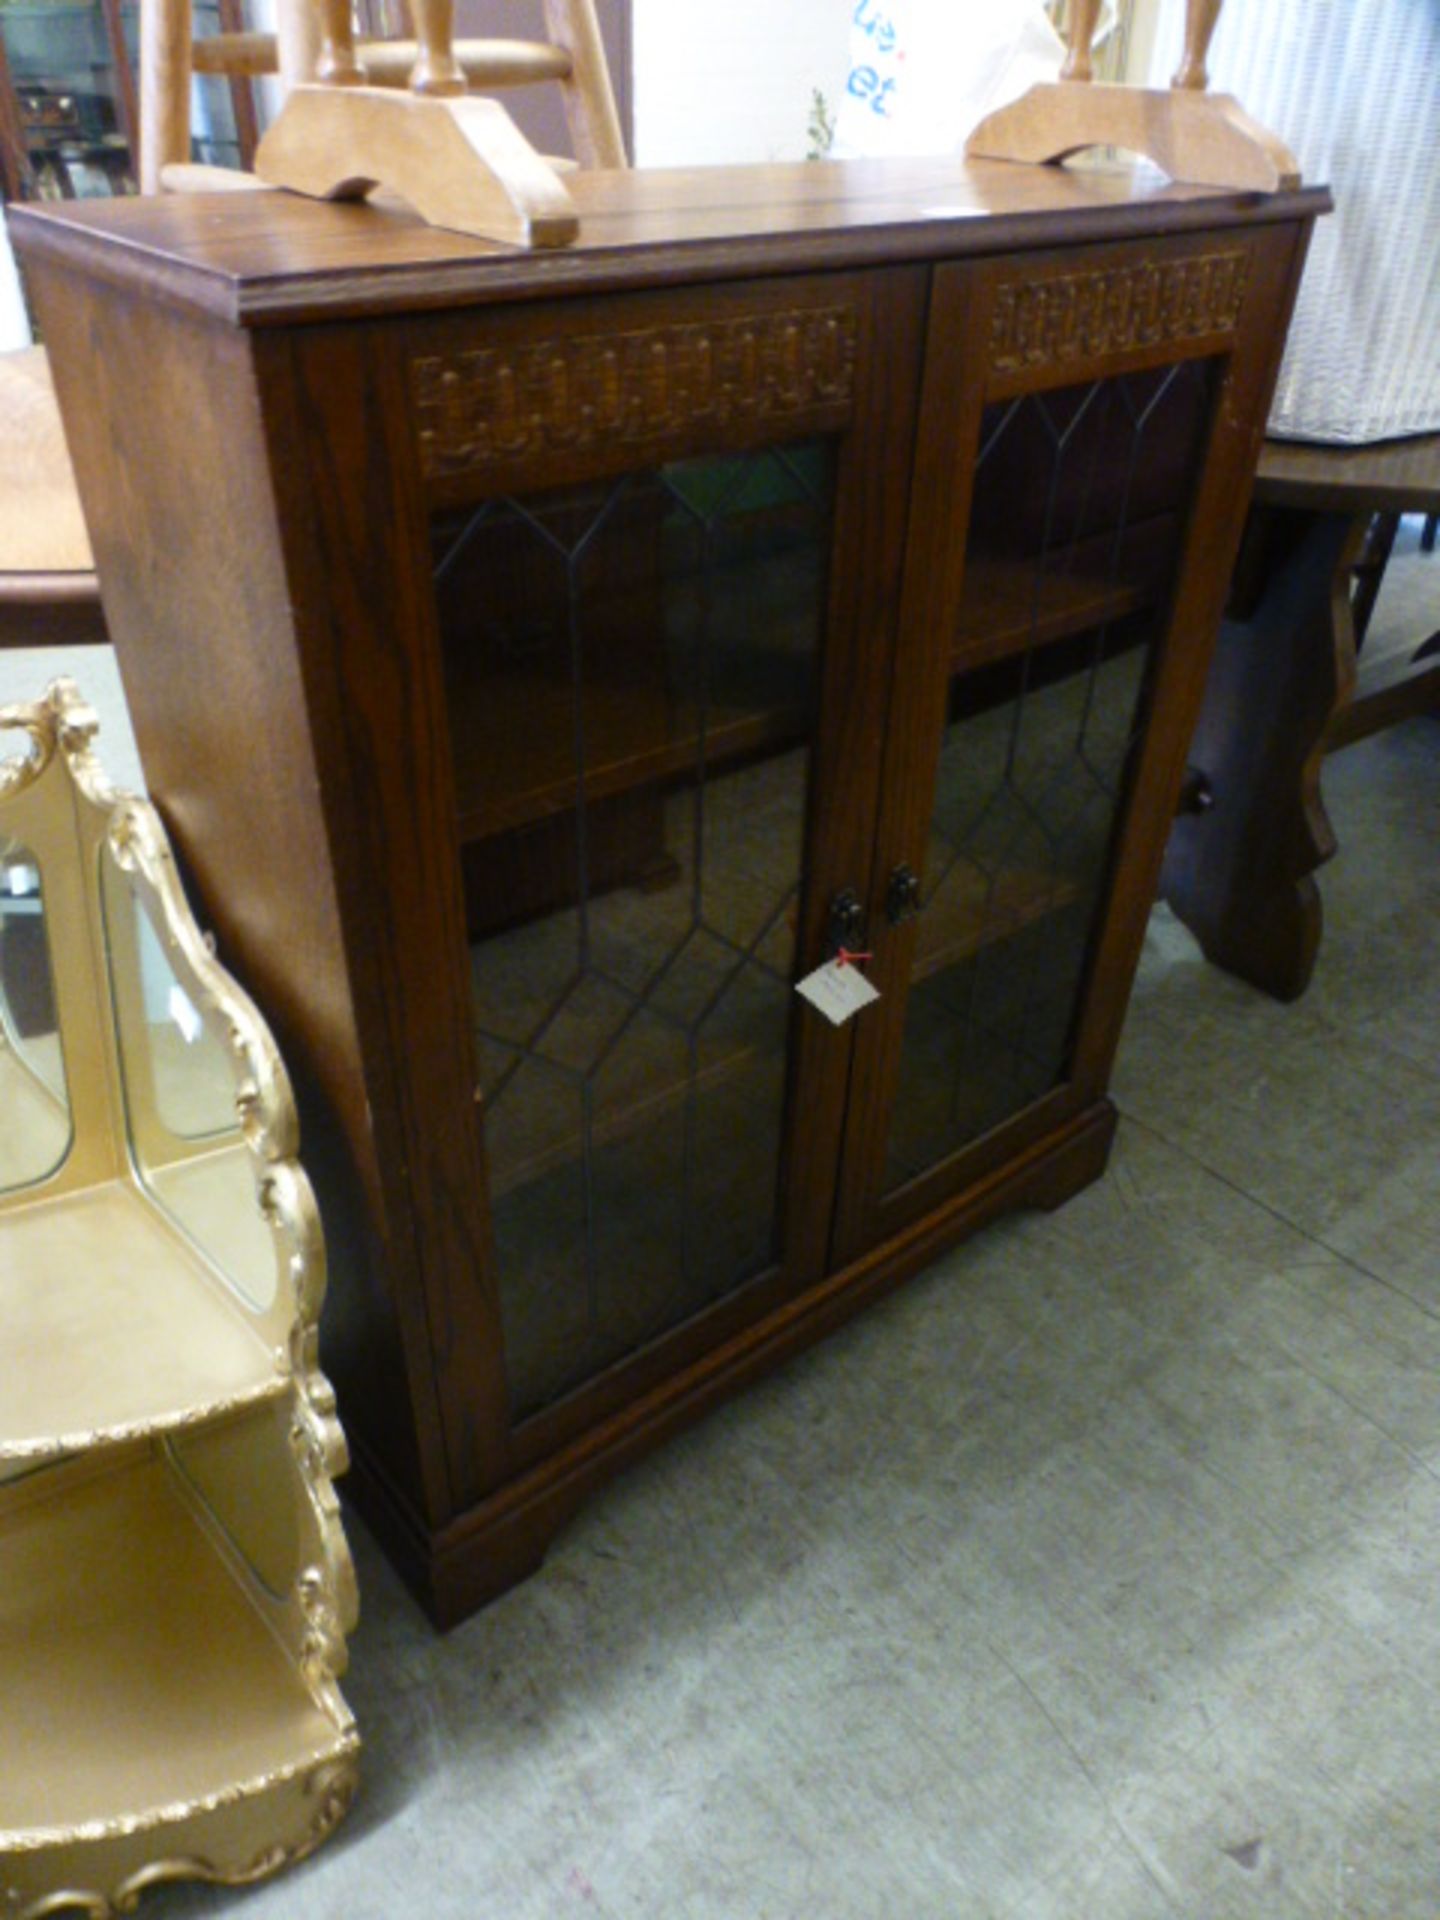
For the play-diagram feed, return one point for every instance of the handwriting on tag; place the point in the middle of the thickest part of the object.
(839, 991)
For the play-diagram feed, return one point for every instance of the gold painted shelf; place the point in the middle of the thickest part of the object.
(175, 1586)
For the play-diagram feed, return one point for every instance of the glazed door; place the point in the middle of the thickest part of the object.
(1076, 427)
(665, 624)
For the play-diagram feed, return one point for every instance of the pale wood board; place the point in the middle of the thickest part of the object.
(460, 162)
(1204, 138)
(42, 529)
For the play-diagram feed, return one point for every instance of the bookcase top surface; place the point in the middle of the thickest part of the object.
(267, 258)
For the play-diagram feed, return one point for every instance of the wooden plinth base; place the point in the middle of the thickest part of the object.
(1204, 138)
(453, 1570)
(461, 163)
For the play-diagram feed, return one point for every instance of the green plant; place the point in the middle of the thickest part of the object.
(820, 127)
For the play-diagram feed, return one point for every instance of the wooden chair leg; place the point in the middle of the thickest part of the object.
(1369, 572)
(166, 27)
(590, 109)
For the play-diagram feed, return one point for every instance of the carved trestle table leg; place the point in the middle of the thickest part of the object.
(1240, 873)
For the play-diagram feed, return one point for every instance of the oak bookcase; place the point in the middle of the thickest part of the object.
(542, 661)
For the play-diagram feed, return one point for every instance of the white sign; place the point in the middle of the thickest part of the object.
(839, 989)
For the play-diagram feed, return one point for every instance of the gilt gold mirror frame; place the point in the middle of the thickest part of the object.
(244, 1472)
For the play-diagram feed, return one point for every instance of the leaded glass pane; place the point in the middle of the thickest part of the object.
(633, 668)
(1080, 500)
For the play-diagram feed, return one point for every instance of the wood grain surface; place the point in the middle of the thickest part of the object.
(41, 527)
(260, 260)
(1397, 476)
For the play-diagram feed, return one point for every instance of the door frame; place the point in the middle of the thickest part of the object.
(1033, 323)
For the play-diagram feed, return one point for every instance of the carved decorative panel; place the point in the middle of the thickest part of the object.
(1081, 316)
(490, 405)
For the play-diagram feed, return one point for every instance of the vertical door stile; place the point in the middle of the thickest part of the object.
(875, 495)
(929, 597)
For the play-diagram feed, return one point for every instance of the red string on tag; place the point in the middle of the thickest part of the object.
(844, 958)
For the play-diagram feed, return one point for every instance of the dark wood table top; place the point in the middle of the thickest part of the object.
(268, 257)
(1385, 476)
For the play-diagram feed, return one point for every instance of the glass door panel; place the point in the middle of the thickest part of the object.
(633, 676)
(1079, 504)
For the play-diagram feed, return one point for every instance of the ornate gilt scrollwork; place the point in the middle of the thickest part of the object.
(20, 770)
(328, 1789)
(252, 1827)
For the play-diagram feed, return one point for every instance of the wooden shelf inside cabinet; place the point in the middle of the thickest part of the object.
(175, 1587)
(980, 912)
(513, 708)
(501, 778)
(647, 1106)
(1009, 603)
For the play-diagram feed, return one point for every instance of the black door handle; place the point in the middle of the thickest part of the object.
(845, 928)
(902, 895)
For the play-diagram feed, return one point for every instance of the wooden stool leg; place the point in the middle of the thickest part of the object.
(1239, 874)
(1370, 572)
(1200, 18)
(338, 64)
(1193, 135)
(436, 70)
(1078, 64)
(165, 32)
(590, 109)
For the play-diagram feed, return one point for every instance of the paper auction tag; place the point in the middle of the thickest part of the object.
(839, 989)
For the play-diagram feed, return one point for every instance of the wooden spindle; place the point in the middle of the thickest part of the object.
(338, 66)
(436, 70)
(297, 38)
(1200, 18)
(1078, 64)
(165, 32)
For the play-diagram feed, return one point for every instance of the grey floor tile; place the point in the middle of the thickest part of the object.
(1312, 1119)
(1091, 1577)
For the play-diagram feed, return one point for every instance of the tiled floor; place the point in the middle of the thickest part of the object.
(1094, 1576)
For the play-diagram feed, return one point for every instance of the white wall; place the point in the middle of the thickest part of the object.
(14, 326)
(723, 80)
